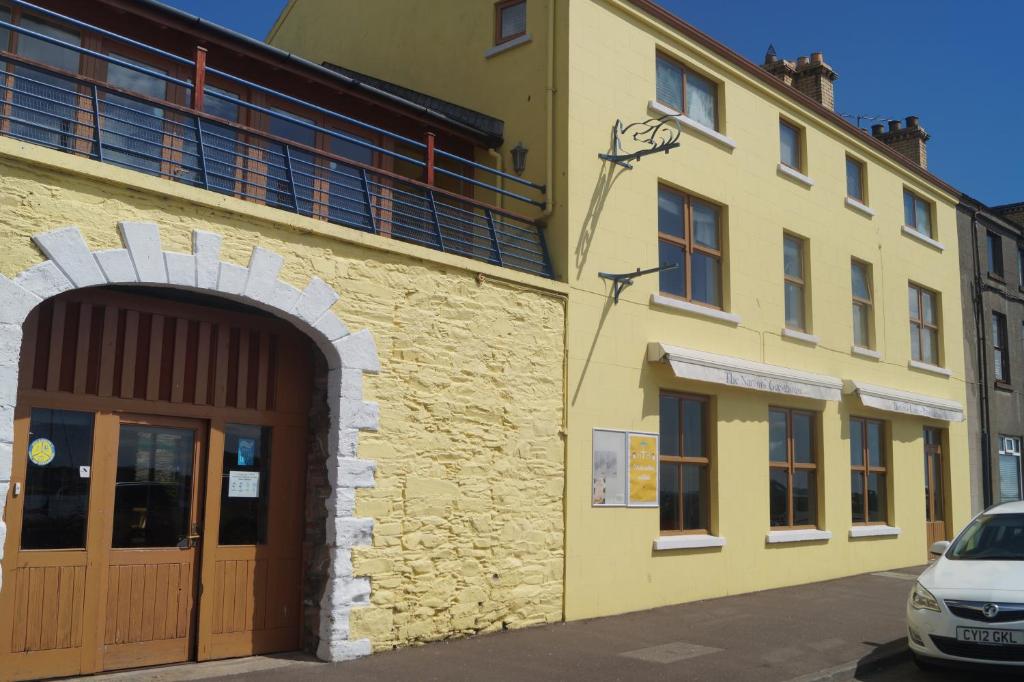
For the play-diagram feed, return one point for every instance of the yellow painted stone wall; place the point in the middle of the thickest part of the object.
(470, 461)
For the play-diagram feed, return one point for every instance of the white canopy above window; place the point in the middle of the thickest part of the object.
(904, 402)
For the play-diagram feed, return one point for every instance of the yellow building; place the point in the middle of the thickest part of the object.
(802, 363)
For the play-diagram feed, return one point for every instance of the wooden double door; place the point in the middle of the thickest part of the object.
(934, 496)
(139, 538)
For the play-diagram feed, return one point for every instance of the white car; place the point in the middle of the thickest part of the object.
(968, 606)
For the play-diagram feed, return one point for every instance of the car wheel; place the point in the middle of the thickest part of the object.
(923, 664)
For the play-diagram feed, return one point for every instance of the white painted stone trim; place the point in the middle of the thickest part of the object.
(928, 367)
(698, 365)
(861, 207)
(687, 122)
(72, 265)
(775, 537)
(904, 402)
(874, 531)
(508, 45)
(800, 336)
(667, 542)
(694, 309)
(795, 175)
(914, 234)
(865, 352)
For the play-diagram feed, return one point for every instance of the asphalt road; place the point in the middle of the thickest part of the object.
(906, 671)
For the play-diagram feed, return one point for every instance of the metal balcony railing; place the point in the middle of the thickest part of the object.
(69, 111)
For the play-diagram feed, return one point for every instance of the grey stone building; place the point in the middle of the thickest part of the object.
(991, 243)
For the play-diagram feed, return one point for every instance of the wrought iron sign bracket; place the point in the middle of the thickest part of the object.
(624, 280)
(658, 134)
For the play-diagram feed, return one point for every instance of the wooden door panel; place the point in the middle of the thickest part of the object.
(148, 601)
(48, 607)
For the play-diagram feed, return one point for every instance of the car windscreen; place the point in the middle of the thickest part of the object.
(991, 537)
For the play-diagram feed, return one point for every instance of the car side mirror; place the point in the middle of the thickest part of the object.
(939, 547)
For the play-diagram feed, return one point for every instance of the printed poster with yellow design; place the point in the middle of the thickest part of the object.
(643, 470)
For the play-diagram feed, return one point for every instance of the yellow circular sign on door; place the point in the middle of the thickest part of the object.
(41, 451)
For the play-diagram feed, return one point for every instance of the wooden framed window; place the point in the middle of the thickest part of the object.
(793, 468)
(855, 173)
(924, 325)
(994, 251)
(509, 20)
(684, 460)
(869, 492)
(791, 146)
(917, 213)
(794, 284)
(689, 93)
(863, 310)
(690, 234)
(1000, 349)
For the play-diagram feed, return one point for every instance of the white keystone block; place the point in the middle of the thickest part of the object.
(143, 242)
(44, 280)
(352, 471)
(348, 531)
(181, 268)
(334, 626)
(331, 327)
(341, 501)
(264, 266)
(206, 248)
(336, 652)
(358, 351)
(359, 414)
(284, 297)
(15, 303)
(316, 299)
(231, 279)
(68, 250)
(117, 265)
(6, 460)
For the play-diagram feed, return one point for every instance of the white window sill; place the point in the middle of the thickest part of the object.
(666, 542)
(800, 336)
(795, 175)
(858, 206)
(865, 352)
(804, 535)
(694, 309)
(874, 532)
(689, 123)
(926, 367)
(515, 42)
(914, 234)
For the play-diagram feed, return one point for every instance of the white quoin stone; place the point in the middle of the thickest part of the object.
(316, 299)
(117, 266)
(331, 327)
(6, 461)
(352, 472)
(349, 531)
(284, 296)
(232, 278)
(206, 247)
(143, 242)
(10, 351)
(343, 650)
(68, 250)
(264, 267)
(181, 268)
(43, 280)
(15, 302)
(359, 351)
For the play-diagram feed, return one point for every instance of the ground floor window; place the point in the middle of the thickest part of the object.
(793, 468)
(684, 460)
(868, 471)
(1009, 468)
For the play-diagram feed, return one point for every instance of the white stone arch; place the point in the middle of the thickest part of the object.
(72, 265)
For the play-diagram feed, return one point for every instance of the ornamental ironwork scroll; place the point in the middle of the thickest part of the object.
(648, 137)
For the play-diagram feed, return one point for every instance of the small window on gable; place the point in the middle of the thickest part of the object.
(855, 180)
(509, 20)
(994, 244)
(790, 146)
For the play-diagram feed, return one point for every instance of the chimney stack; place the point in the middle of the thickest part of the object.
(910, 141)
(809, 74)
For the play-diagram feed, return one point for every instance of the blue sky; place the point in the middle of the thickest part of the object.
(957, 65)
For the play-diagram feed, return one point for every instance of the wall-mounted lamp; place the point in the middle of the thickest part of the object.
(519, 158)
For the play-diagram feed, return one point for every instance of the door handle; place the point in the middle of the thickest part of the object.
(193, 540)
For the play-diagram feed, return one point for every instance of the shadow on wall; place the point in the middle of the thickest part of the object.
(610, 172)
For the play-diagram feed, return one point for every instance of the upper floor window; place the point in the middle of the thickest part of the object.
(688, 93)
(792, 468)
(1000, 349)
(917, 213)
(868, 471)
(994, 248)
(1020, 267)
(509, 20)
(924, 325)
(862, 303)
(794, 285)
(855, 180)
(689, 233)
(790, 146)
(684, 461)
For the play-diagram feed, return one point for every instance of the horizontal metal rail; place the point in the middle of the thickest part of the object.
(85, 117)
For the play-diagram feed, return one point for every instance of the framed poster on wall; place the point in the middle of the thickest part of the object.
(625, 469)
(643, 470)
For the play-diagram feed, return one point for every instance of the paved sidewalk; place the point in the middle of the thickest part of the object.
(820, 631)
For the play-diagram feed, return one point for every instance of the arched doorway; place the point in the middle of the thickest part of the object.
(165, 445)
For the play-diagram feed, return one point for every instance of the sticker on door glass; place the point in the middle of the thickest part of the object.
(41, 451)
(244, 484)
(246, 452)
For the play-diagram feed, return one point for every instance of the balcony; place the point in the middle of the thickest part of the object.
(298, 156)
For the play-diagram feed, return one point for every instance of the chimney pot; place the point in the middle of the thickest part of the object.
(877, 129)
(894, 125)
(913, 122)
(802, 61)
(817, 58)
